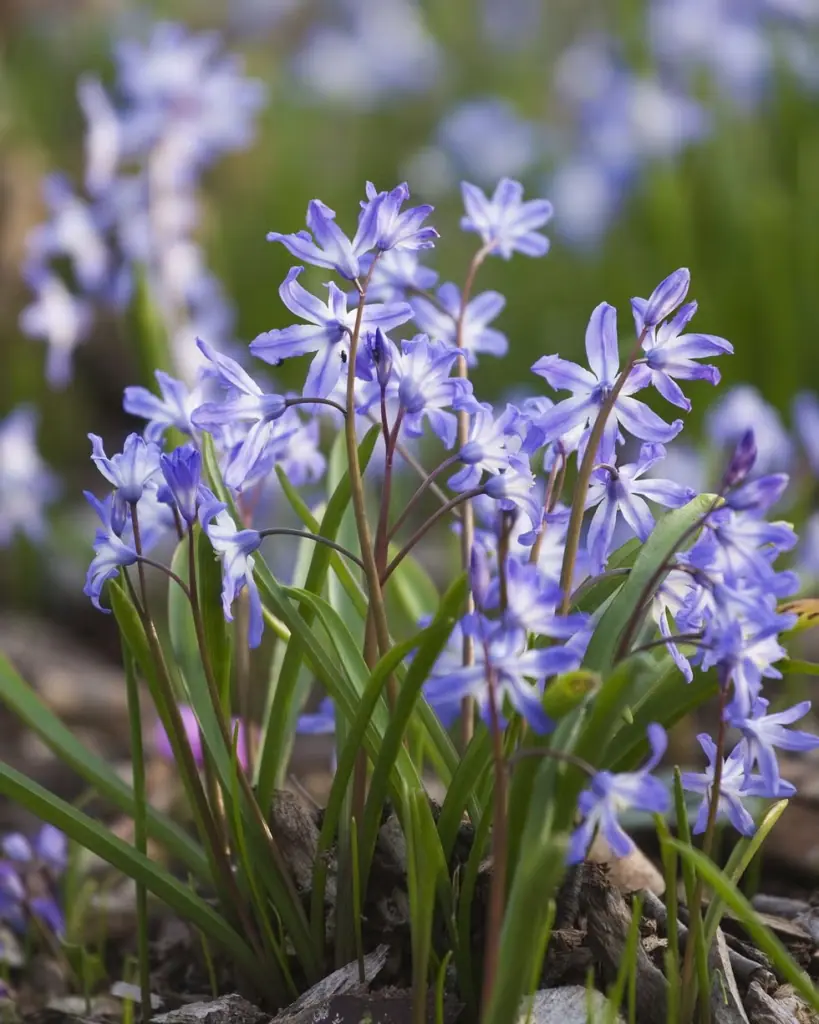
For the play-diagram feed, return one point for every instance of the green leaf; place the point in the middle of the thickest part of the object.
(794, 667)
(741, 856)
(412, 588)
(595, 592)
(26, 704)
(150, 330)
(762, 938)
(672, 531)
(95, 837)
(281, 709)
(217, 634)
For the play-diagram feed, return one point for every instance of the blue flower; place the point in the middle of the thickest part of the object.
(573, 417)
(514, 488)
(327, 332)
(111, 551)
(425, 390)
(532, 598)
(490, 444)
(28, 877)
(332, 249)
(736, 784)
(129, 471)
(235, 547)
(103, 135)
(743, 408)
(740, 545)
(764, 734)
(670, 353)
(27, 485)
(662, 302)
(505, 223)
(246, 404)
(476, 336)
(321, 722)
(60, 319)
(609, 794)
(172, 409)
(518, 676)
(621, 491)
(182, 470)
(396, 229)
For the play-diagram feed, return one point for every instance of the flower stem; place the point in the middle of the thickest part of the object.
(549, 498)
(426, 527)
(468, 514)
(379, 612)
(425, 485)
(581, 486)
(284, 531)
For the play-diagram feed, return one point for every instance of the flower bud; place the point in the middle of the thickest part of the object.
(742, 461)
(666, 297)
(381, 354)
(182, 470)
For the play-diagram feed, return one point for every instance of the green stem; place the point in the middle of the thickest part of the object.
(581, 486)
(467, 513)
(140, 829)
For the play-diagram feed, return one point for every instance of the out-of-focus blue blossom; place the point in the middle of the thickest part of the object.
(741, 463)
(162, 742)
(574, 417)
(806, 426)
(235, 547)
(74, 232)
(764, 734)
(510, 25)
(808, 551)
(112, 550)
(736, 784)
(505, 223)
(622, 491)
(425, 389)
(327, 332)
(172, 408)
(59, 318)
(587, 197)
(29, 874)
(27, 485)
(375, 51)
(440, 319)
(743, 408)
(610, 793)
(531, 602)
(321, 722)
(483, 140)
(518, 676)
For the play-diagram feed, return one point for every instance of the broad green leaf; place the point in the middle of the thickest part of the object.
(672, 532)
(281, 709)
(593, 593)
(217, 634)
(794, 667)
(99, 840)
(26, 704)
(150, 330)
(763, 939)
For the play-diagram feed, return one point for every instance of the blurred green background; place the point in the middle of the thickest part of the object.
(739, 206)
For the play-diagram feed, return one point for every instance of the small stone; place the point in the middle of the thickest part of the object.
(630, 873)
(232, 1009)
(570, 1004)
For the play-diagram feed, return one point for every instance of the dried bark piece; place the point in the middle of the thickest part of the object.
(568, 959)
(608, 921)
(786, 1008)
(726, 1002)
(232, 1009)
(570, 1004)
(780, 906)
(345, 979)
(297, 836)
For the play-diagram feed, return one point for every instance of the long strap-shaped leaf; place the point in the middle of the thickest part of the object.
(25, 703)
(96, 837)
(275, 746)
(669, 535)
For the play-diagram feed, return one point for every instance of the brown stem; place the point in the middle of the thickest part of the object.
(425, 527)
(581, 486)
(426, 484)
